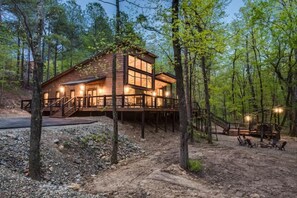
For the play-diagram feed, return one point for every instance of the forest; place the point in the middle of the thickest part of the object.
(241, 71)
(249, 64)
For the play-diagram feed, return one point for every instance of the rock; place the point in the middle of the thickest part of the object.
(51, 168)
(56, 141)
(61, 147)
(254, 195)
(74, 186)
(113, 167)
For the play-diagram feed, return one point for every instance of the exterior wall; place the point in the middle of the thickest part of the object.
(100, 67)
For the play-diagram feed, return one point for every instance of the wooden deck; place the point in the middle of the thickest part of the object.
(141, 104)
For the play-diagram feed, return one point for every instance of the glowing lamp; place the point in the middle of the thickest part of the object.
(167, 93)
(100, 90)
(278, 110)
(154, 94)
(82, 87)
(62, 89)
(126, 89)
(248, 118)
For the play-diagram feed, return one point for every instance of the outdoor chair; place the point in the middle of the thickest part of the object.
(241, 142)
(282, 146)
(249, 143)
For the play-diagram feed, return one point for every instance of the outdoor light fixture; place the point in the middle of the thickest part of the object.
(62, 89)
(248, 118)
(82, 87)
(126, 89)
(278, 110)
(81, 92)
(100, 90)
(154, 94)
(167, 93)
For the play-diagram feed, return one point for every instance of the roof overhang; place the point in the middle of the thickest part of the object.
(84, 81)
(166, 77)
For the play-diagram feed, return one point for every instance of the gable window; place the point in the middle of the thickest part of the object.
(140, 72)
(139, 64)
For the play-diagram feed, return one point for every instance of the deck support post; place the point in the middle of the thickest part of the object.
(173, 121)
(157, 121)
(122, 117)
(142, 124)
(165, 121)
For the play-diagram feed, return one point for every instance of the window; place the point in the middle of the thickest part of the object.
(57, 94)
(131, 77)
(139, 64)
(138, 79)
(72, 94)
(45, 99)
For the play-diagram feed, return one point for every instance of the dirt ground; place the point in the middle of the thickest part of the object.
(229, 170)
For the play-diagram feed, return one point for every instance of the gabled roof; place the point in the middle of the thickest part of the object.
(86, 80)
(166, 77)
(106, 51)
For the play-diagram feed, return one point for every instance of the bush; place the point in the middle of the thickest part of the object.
(195, 165)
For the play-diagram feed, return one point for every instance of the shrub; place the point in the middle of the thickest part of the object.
(195, 165)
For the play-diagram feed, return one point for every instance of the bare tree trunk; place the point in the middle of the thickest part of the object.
(184, 155)
(28, 67)
(207, 98)
(18, 53)
(22, 65)
(114, 158)
(248, 70)
(55, 57)
(188, 95)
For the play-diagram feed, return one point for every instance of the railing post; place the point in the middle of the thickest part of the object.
(62, 106)
(143, 100)
(155, 102)
(104, 100)
(22, 104)
(74, 100)
(123, 100)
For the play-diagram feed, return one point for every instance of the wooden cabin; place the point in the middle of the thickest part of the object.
(87, 86)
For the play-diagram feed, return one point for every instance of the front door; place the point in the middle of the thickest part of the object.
(92, 99)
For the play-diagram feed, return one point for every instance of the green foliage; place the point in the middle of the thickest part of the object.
(195, 165)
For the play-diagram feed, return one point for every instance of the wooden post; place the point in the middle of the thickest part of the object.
(142, 125)
(104, 100)
(123, 100)
(157, 121)
(62, 107)
(122, 117)
(143, 100)
(173, 121)
(165, 121)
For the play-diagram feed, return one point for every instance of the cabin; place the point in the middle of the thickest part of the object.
(86, 88)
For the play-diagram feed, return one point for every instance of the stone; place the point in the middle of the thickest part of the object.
(254, 195)
(74, 186)
(56, 141)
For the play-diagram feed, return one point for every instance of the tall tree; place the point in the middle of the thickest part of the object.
(115, 146)
(34, 33)
(183, 126)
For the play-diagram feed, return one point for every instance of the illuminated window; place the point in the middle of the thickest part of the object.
(138, 64)
(131, 61)
(143, 80)
(149, 68)
(57, 94)
(137, 79)
(143, 66)
(131, 77)
(149, 82)
(45, 98)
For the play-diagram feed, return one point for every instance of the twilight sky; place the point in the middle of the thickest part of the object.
(110, 10)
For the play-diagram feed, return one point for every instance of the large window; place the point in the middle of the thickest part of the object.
(140, 64)
(138, 79)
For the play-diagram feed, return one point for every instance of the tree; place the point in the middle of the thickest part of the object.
(183, 126)
(34, 32)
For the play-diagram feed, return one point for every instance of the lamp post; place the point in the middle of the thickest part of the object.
(248, 119)
(278, 111)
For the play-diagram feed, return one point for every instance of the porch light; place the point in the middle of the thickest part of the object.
(62, 89)
(167, 93)
(82, 87)
(248, 118)
(154, 94)
(126, 89)
(81, 92)
(100, 90)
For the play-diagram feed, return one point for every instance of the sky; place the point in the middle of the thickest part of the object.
(233, 7)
